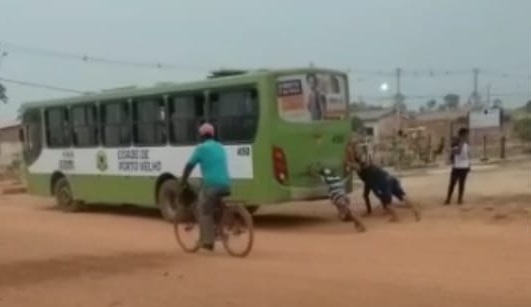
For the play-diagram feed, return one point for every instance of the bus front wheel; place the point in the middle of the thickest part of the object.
(167, 198)
(64, 197)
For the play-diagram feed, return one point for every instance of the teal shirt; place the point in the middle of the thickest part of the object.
(212, 160)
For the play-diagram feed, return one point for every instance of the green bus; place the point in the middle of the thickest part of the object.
(130, 145)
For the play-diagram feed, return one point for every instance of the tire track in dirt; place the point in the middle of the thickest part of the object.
(27, 272)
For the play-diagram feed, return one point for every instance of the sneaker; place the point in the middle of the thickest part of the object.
(208, 246)
(360, 227)
(417, 215)
(345, 217)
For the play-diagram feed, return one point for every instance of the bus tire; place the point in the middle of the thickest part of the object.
(252, 209)
(167, 198)
(64, 197)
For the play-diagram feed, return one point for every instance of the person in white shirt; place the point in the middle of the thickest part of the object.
(460, 158)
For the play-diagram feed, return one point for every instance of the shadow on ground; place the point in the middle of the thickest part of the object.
(123, 210)
(269, 221)
(26, 272)
(280, 221)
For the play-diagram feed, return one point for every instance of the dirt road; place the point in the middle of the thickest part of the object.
(476, 255)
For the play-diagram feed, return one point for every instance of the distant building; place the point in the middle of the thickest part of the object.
(381, 123)
(446, 123)
(441, 124)
(10, 146)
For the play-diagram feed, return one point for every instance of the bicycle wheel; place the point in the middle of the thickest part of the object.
(237, 230)
(186, 229)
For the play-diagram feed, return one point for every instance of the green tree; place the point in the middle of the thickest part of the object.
(431, 104)
(356, 123)
(3, 96)
(528, 107)
(451, 101)
(498, 103)
(522, 127)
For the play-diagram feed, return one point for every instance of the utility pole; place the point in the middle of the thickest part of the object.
(475, 93)
(398, 77)
(399, 98)
(398, 101)
(488, 94)
(3, 96)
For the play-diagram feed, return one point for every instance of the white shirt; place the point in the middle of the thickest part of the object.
(462, 158)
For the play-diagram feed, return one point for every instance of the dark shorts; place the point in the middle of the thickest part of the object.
(396, 189)
(390, 188)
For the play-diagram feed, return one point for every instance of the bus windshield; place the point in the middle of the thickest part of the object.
(312, 97)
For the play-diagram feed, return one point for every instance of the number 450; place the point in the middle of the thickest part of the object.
(244, 151)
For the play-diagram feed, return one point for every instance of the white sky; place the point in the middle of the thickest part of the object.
(365, 36)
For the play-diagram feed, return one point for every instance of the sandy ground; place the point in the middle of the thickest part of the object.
(475, 255)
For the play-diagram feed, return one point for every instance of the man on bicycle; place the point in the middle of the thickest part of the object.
(212, 160)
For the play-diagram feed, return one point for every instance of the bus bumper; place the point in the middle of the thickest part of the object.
(305, 193)
(314, 193)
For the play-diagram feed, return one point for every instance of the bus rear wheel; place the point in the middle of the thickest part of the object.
(64, 197)
(167, 199)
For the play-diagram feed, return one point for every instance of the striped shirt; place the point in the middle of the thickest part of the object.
(336, 188)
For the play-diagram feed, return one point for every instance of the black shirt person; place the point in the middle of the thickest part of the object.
(384, 186)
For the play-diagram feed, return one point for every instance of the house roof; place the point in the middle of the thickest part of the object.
(442, 115)
(9, 124)
(374, 114)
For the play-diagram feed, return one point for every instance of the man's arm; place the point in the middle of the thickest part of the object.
(189, 167)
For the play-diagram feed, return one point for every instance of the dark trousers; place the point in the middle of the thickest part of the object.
(457, 176)
(209, 198)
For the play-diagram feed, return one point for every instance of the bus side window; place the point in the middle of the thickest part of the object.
(149, 122)
(235, 114)
(187, 112)
(84, 125)
(57, 127)
(31, 133)
(116, 124)
(22, 134)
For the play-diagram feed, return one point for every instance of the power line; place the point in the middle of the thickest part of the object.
(439, 96)
(436, 73)
(101, 60)
(411, 73)
(42, 86)
(86, 58)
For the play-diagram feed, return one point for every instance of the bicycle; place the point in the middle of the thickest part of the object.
(231, 221)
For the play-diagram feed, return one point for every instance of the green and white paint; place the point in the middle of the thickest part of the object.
(135, 162)
(131, 175)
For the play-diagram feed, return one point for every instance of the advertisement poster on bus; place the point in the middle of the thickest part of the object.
(312, 97)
